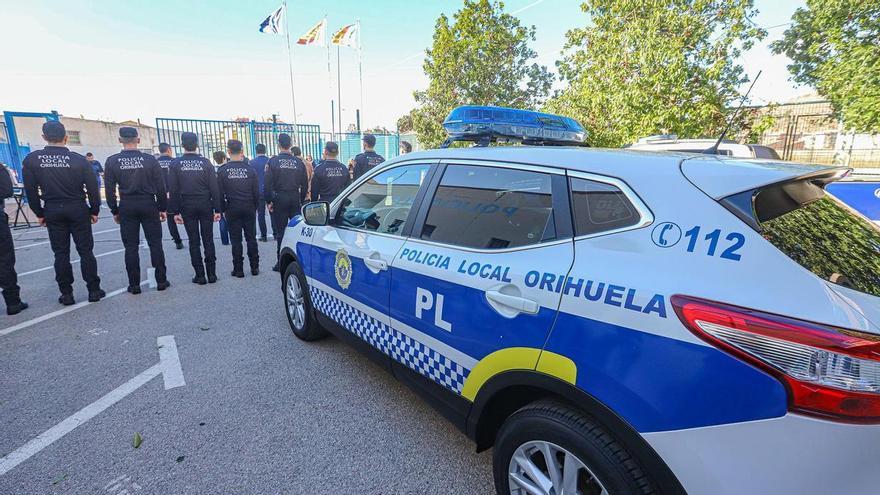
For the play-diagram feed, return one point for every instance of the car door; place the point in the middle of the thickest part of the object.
(477, 283)
(350, 279)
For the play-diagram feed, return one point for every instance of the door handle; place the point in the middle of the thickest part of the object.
(376, 265)
(516, 303)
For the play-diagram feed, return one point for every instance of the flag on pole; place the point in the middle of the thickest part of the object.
(347, 36)
(274, 23)
(316, 35)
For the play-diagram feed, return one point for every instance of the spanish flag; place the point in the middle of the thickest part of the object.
(316, 35)
(347, 36)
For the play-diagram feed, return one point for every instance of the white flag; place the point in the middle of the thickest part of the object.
(347, 36)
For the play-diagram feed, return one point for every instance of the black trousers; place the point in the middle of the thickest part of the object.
(240, 220)
(172, 230)
(261, 216)
(65, 220)
(284, 207)
(136, 214)
(8, 277)
(198, 219)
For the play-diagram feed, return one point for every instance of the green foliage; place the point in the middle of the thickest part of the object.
(834, 46)
(481, 58)
(759, 122)
(645, 67)
(405, 123)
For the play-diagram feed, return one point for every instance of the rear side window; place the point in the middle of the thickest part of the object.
(600, 207)
(491, 208)
(764, 152)
(824, 236)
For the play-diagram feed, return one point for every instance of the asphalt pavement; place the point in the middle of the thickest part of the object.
(260, 411)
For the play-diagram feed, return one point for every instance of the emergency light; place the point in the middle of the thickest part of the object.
(485, 124)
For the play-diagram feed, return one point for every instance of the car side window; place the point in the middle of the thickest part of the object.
(491, 208)
(600, 207)
(382, 203)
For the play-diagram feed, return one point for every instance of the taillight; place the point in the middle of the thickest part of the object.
(829, 372)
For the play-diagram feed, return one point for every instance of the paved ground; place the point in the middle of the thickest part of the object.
(261, 412)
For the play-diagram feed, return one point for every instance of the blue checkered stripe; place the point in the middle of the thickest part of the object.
(399, 346)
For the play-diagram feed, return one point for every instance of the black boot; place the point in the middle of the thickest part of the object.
(178, 244)
(134, 289)
(199, 278)
(15, 307)
(163, 285)
(211, 270)
(67, 299)
(238, 270)
(98, 294)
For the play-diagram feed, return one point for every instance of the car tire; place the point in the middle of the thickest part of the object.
(554, 428)
(298, 305)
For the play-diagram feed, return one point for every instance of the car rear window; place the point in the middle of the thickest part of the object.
(600, 207)
(824, 236)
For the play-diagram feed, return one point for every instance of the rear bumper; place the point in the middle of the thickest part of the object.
(791, 455)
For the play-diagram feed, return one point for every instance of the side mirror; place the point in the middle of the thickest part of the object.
(317, 213)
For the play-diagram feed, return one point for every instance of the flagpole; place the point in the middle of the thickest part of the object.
(330, 85)
(338, 91)
(361, 70)
(290, 70)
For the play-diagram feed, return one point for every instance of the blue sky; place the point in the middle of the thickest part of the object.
(123, 60)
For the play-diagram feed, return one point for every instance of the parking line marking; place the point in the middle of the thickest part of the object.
(169, 364)
(47, 242)
(50, 267)
(62, 311)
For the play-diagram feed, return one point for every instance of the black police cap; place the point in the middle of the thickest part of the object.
(284, 140)
(234, 146)
(331, 148)
(189, 140)
(370, 140)
(128, 132)
(54, 131)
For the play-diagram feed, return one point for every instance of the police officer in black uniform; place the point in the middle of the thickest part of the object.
(330, 176)
(286, 186)
(195, 203)
(240, 192)
(363, 162)
(142, 204)
(57, 182)
(166, 156)
(8, 277)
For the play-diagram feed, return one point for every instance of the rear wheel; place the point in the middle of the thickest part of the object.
(298, 305)
(551, 448)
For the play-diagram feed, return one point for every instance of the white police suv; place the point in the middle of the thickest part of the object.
(611, 321)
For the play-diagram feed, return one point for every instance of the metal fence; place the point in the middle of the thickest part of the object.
(809, 132)
(213, 134)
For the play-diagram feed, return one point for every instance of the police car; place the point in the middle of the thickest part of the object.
(610, 321)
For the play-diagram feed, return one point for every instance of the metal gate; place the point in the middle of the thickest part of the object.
(213, 135)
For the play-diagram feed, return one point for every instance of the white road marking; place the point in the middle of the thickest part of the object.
(47, 242)
(50, 267)
(169, 363)
(62, 311)
(151, 278)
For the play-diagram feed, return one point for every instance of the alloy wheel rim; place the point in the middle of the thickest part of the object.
(544, 468)
(296, 307)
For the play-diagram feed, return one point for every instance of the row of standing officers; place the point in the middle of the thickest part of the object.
(143, 191)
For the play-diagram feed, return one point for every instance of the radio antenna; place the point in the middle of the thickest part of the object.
(714, 149)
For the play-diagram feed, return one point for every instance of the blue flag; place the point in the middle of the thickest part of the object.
(273, 23)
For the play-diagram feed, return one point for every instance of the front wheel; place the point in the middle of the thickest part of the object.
(298, 305)
(551, 448)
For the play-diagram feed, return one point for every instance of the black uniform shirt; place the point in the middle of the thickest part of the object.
(329, 179)
(239, 185)
(192, 176)
(57, 174)
(365, 161)
(6, 185)
(165, 163)
(136, 174)
(285, 174)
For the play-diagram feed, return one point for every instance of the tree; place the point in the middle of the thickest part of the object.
(834, 46)
(405, 123)
(481, 58)
(640, 68)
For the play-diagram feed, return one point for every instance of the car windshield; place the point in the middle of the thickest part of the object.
(832, 241)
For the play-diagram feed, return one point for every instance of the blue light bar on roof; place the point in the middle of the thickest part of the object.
(474, 123)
